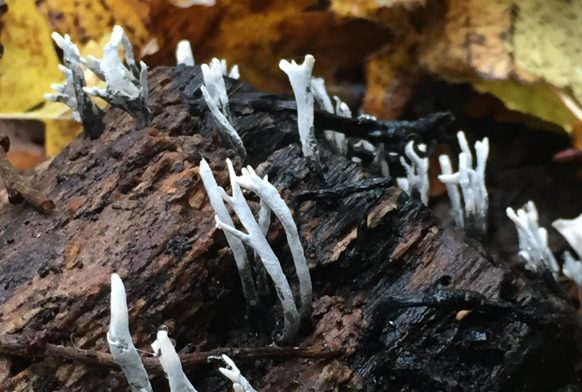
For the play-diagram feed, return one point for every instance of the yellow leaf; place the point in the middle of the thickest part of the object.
(86, 20)
(29, 65)
(536, 99)
(59, 134)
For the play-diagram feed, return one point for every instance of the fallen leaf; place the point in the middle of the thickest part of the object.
(3, 11)
(58, 134)
(257, 34)
(29, 64)
(86, 20)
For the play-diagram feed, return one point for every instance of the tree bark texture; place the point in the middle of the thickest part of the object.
(400, 302)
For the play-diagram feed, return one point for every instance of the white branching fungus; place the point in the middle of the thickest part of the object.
(166, 353)
(337, 139)
(571, 230)
(300, 79)
(71, 92)
(416, 172)
(226, 129)
(120, 343)
(231, 371)
(184, 53)
(533, 240)
(216, 97)
(572, 269)
(233, 73)
(320, 94)
(255, 238)
(471, 181)
(238, 250)
(213, 75)
(270, 196)
(453, 191)
(341, 108)
(127, 86)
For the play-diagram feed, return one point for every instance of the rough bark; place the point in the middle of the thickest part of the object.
(401, 303)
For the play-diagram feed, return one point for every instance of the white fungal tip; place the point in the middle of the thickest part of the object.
(184, 53)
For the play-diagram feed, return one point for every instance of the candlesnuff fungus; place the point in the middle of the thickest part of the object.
(120, 342)
(233, 73)
(337, 139)
(71, 92)
(471, 181)
(571, 230)
(127, 86)
(215, 95)
(166, 353)
(184, 54)
(533, 240)
(213, 75)
(226, 129)
(270, 196)
(572, 269)
(236, 245)
(255, 238)
(239, 383)
(300, 79)
(416, 172)
(320, 94)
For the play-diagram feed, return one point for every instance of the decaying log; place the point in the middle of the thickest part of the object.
(401, 302)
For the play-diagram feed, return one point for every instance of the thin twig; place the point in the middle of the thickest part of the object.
(21, 346)
(18, 189)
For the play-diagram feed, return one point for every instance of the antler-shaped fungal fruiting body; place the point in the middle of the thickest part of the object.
(170, 361)
(238, 250)
(471, 181)
(213, 75)
(184, 54)
(270, 196)
(416, 172)
(127, 86)
(300, 79)
(533, 239)
(255, 238)
(120, 342)
(71, 92)
(226, 129)
(231, 371)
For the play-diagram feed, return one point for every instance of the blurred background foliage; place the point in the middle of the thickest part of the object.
(374, 53)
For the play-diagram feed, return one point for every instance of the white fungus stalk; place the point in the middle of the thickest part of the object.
(270, 196)
(231, 371)
(572, 269)
(227, 131)
(416, 172)
(337, 139)
(258, 242)
(166, 353)
(71, 92)
(300, 79)
(127, 86)
(184, 54)
(453, 191)
(238, 250)
(471, 181)
(320, 94)
(233, 73)
(213, 75)
(533, 240)
(120, 343)
(571, 230)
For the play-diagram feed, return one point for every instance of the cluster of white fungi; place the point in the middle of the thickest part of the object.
(126, 87)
